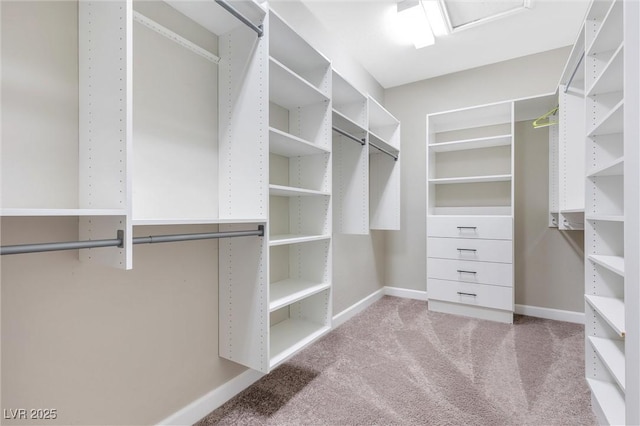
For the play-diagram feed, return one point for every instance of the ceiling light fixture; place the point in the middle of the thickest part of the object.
(413, 21)
(436, 18)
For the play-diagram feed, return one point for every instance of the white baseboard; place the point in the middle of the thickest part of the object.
(356, 308)
(548, 313)
(214, 399)
(405, 293)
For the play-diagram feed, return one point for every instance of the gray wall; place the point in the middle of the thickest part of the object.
(549, 268)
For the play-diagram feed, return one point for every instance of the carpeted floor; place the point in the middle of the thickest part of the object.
(397, 363)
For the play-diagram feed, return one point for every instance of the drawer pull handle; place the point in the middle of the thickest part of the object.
(467, 294)
(466, 272)
(467, 227)
(463, 249)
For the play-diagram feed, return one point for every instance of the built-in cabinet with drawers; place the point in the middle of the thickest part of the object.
(470, 208)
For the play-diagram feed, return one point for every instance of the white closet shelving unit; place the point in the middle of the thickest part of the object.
(300, 185)
(611, 130)
(350, 158)
(470, 211)
(384, 167)
(182, 154)
(569, 184)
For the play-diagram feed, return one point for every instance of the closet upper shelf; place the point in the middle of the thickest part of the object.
(288, 89)
(288, 145)
(215, 18)
(609, 35)
(61, 212)
(460, 145)
(343, 122)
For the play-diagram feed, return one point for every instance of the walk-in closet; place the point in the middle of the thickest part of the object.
(345, 212)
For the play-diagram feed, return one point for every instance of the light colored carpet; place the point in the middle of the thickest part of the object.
(397, 363)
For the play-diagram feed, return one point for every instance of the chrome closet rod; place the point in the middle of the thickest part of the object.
(395, 157)
(349, 135)
(257, 28)
(118, 242)
(566, 89)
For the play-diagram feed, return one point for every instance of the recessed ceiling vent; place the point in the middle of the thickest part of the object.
(463, 14)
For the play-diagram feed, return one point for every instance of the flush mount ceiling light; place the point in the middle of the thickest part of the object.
(420, 21)
(463, 14)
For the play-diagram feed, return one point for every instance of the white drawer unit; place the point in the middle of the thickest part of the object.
(470, 249)
(486, 227)
(500, 274)
(486, 296)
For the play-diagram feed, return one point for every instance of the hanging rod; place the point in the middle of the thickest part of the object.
(395, 157)
(257, 28)
(573, 74)
(350, 136)
(119, 241)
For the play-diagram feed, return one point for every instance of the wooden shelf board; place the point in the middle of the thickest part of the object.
(288, 145)
(280, 240)
(471, 179)
(291, 335)
(289, 90)
(610, 309)
(612, 263)
(29, 212)
(288, 191)
(500, 140)
(286, 292)
(614, 168)
(610, 399)
(611, 352)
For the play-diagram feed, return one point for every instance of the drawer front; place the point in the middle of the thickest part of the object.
(470, 249)
(489, 227)
(473, 272)
(487, 296)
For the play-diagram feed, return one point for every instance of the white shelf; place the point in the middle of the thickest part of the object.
(288, 291)
(284, 239)
(378, 116)
(609, 34)
(572, 211)
(605, 218)
(613, 168)
(289, 90)
(288, 145)
(611, 123)
(471, 179)
(194, 221)
(610, 309)
(382, 143)
(289, 336)
(610, 79)
(487, 142)
(610, 399)
(343, 122)
(612, 263)
(611, 352)
(62, 212)
(287, 191)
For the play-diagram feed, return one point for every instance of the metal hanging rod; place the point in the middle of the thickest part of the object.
(119, 242)
(362, 141)
(232, 10)
(395, 157)
(575, 71)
